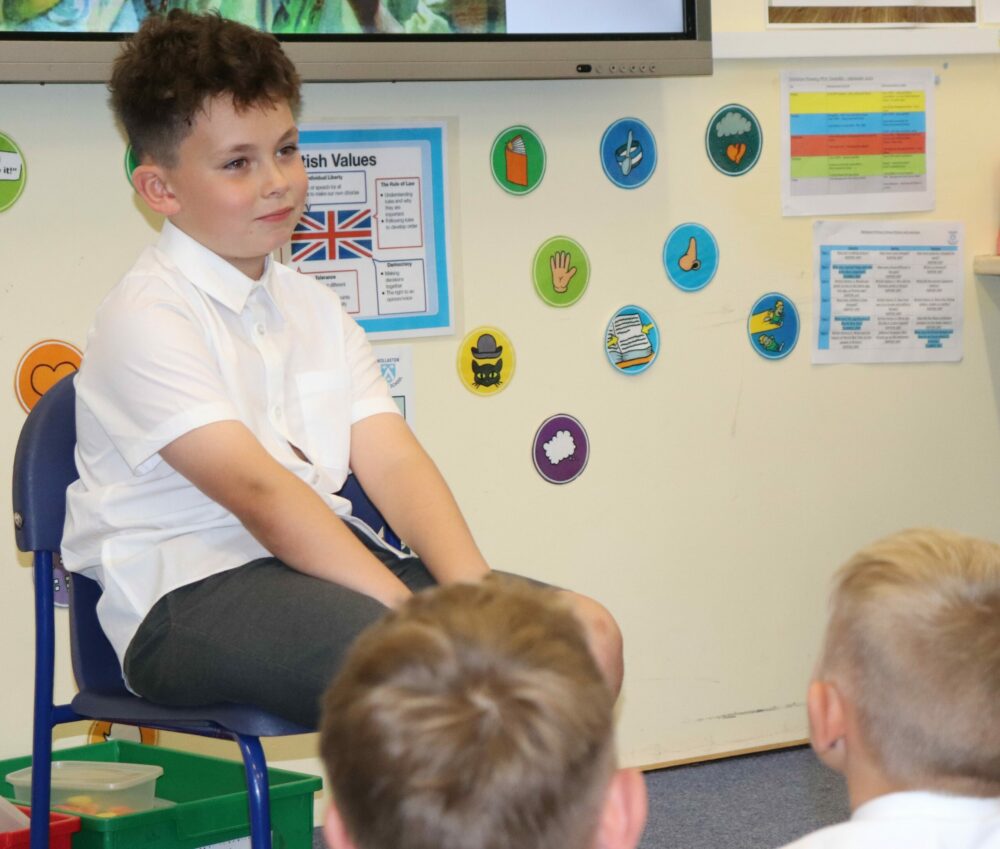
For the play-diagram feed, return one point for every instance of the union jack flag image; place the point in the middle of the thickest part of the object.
(333, 234)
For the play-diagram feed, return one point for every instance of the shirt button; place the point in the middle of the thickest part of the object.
(276, 411)
(260, 329)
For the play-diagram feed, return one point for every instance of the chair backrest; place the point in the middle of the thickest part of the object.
(43, 467)
(95, 664)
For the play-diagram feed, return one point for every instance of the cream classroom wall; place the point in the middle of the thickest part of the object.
(722, 488)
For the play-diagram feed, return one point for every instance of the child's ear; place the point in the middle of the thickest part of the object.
(150, 181)
(623, 815)
(334, 830)
(828, 723)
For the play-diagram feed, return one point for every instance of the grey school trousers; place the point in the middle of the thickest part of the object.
(261, 634)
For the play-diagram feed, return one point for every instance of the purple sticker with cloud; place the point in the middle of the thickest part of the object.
(60, 583)
(561, 449)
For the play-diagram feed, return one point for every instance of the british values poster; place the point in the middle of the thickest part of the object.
(375, 228)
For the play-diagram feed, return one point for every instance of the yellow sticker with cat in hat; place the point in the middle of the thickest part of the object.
(486, 361)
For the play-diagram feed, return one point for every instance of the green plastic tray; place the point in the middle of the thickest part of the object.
(210, 801)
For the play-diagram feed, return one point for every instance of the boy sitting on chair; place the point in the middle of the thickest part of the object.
(222, 400)
(474, 717)
(906, 701)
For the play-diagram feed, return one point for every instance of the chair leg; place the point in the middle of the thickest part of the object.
(41, 749)
(257, 789)
(41, 774)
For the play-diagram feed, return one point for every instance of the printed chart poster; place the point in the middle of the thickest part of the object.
(375, 230)
(857, 142)
(888, 291)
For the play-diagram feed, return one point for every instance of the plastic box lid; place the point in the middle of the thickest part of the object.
(107, 776)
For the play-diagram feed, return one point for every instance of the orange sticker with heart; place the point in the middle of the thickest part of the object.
(41, 367)
(736, 152)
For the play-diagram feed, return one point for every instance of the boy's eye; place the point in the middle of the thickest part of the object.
(289, 150)
(235, 164)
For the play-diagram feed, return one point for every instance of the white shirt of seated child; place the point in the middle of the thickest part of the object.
(184, 340)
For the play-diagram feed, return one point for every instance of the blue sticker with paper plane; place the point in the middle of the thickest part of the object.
(773, 326)
(628, 153)
(690, 257)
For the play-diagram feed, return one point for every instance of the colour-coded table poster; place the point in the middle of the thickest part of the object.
(888, 291)
(375, 230)
(857, 142)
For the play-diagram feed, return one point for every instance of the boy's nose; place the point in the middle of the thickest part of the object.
(275, 180)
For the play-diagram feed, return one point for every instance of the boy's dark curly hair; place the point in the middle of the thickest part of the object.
(174, 63)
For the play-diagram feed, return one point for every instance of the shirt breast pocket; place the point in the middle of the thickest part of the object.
(324, 418)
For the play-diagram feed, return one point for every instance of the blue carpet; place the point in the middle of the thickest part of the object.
(751, 802)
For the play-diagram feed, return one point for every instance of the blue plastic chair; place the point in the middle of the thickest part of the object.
(43, 467)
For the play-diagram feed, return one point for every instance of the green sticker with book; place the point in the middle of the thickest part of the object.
(518, 160)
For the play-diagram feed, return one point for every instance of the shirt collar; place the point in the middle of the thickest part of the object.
(209, 272)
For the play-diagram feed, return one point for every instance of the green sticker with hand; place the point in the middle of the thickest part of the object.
(561, 271)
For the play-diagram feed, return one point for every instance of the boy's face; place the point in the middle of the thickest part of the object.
(239, 185)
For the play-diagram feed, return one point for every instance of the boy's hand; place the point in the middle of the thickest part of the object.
(284, 514)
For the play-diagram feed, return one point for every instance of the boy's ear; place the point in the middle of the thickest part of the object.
(150, 181)
(623, 815)
(828, 723)
(334, 830)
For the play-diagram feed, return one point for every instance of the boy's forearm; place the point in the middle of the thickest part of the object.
(283, 513)
(408, 489)
(301, 530)
(432, 524)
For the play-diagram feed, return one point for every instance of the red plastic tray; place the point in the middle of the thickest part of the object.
(62, 827)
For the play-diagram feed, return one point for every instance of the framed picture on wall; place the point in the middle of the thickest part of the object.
(857, 13)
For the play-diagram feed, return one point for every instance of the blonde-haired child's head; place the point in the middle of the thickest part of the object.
(913, 647)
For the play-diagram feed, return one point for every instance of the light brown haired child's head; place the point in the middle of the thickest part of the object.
(914, 644)
(175, 64)
(472, 718)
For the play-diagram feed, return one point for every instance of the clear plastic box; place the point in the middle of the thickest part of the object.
(95, 788)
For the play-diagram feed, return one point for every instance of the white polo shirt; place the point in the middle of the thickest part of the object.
(185, 339)
(913, 820)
